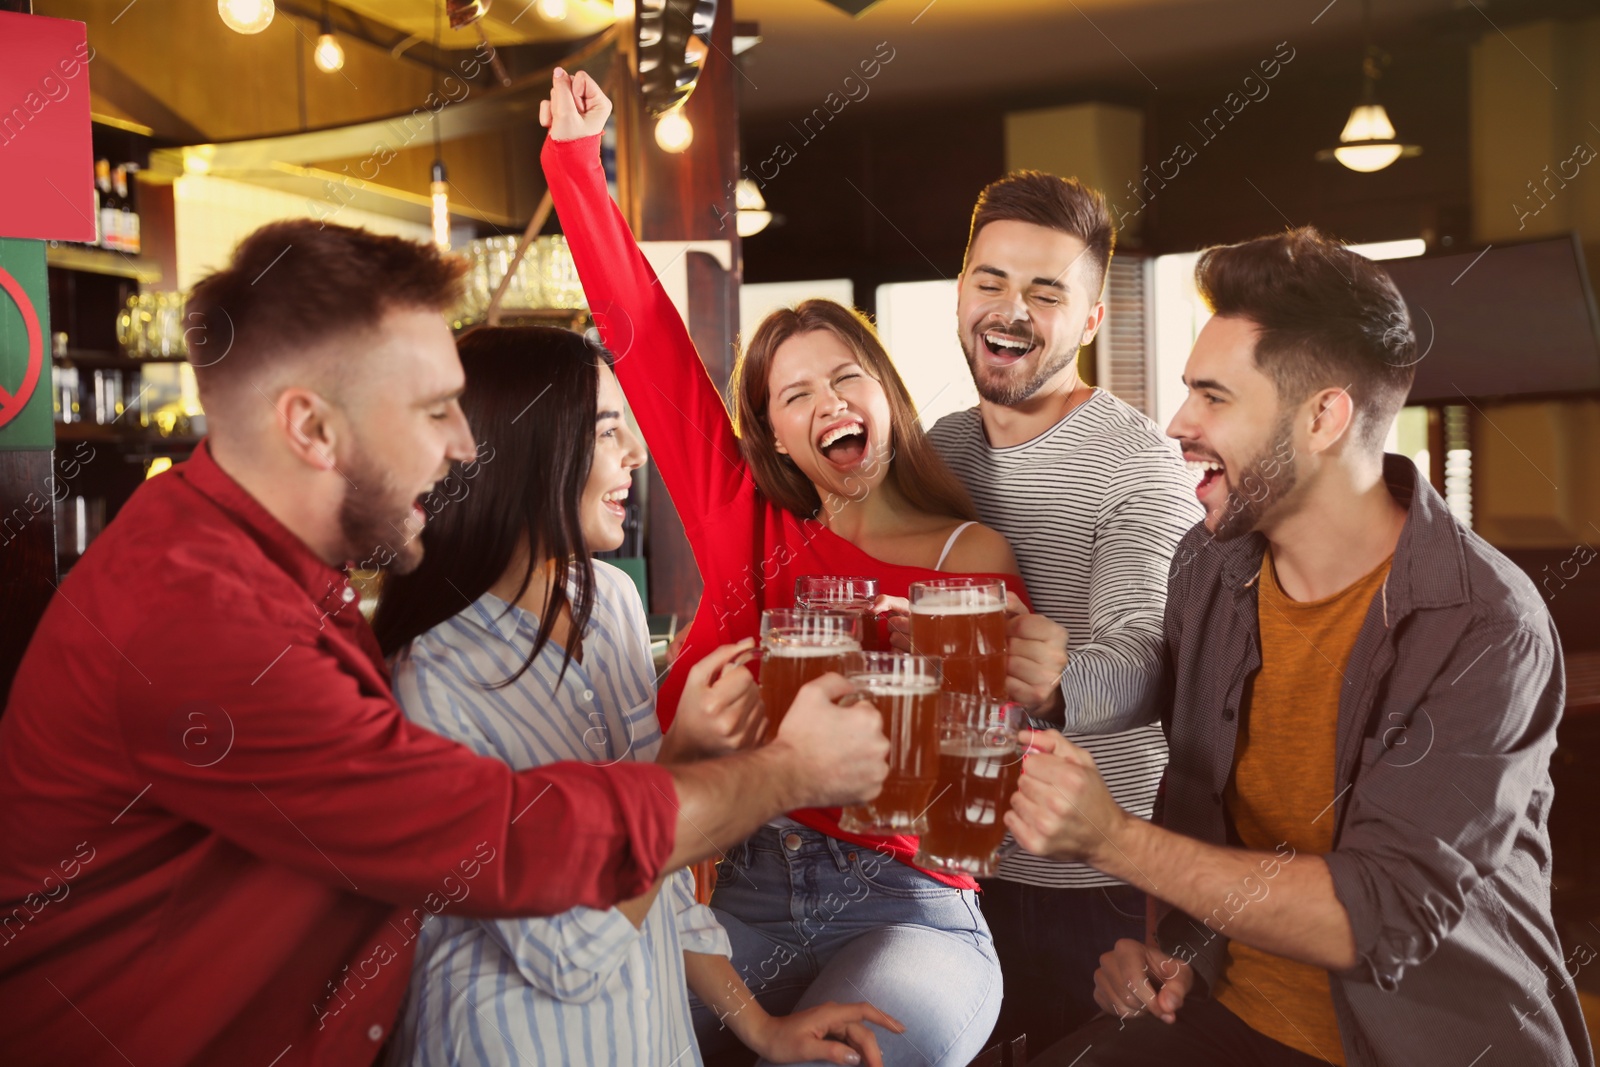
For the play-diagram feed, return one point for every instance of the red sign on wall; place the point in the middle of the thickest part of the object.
(46, 158)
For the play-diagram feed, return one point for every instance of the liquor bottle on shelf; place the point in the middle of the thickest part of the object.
(129, 234)
(104, 213)
(68, 397)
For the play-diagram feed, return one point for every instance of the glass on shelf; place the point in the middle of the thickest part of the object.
(126, 332)
(79, 520)
(110, 398)
(545, 277)
(559, 273)
(151, 326)
(66, 400)
(169, 400)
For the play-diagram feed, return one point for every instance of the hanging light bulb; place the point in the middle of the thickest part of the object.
(439, 189)
(329, 53)
(246, 16)
(329, 56)
(552, 10)
(753, 216)
(673, 131)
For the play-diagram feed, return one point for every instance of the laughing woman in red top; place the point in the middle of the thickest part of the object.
(832, 475)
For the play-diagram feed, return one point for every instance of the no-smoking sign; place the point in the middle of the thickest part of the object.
(14, 395)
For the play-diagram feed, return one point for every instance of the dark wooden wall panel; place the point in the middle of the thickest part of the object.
(27, 553)
(877, 196)
(885, 194)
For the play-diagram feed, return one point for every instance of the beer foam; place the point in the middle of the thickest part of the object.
(791, 649)
(954, 604)
(895, 685)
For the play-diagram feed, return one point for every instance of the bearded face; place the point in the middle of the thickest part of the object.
(1255, 484)
(1027, 302)
(379, 518)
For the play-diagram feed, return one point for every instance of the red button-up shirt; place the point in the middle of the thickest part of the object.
(218, 833)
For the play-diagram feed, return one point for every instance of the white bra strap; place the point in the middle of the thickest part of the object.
(948, 545)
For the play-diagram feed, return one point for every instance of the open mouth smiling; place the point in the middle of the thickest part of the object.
(616, 501)
(1005, 347)
(1207, 472)
(844, 443)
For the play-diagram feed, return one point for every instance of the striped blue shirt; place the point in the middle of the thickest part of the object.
(584, 986)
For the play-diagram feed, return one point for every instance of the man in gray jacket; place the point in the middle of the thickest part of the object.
(1352, 854)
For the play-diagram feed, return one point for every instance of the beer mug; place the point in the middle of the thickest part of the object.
(905, 690)
(825, 592)
(798, 647)
(963, 622)
(980, 761)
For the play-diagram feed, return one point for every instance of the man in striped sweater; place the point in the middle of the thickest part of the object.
(1094, 499)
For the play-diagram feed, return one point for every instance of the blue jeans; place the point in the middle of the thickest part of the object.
(814, 919)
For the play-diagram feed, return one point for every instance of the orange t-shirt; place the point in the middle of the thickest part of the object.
(1282, 790)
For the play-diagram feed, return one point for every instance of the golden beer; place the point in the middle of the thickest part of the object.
(980, 761)
(855, 596)
(905, 690)
(962, 621)
(799, 647)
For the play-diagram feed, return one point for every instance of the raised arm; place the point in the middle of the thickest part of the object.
(679, 409)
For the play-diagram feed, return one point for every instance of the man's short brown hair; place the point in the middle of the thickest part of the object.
(292, 284)
(1064, 204)
(1328, 318)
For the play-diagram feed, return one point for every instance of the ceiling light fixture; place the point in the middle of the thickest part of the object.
(246, 16)
(673, 38)
(753, 216)
(329, 53)
(439, 215)
(1367, 143)
(674, 133)
(439, 185)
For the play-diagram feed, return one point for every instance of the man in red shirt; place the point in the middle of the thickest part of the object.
(219, 835)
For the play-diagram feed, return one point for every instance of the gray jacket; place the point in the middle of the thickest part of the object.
(1442, 788)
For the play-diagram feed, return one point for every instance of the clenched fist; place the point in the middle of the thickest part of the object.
(840, 754)
(1036, 658)
(576, 108)
(1062, 808)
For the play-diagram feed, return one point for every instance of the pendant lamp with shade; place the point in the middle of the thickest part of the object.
(1368, 142)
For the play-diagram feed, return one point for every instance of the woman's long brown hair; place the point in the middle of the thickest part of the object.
(919, 474)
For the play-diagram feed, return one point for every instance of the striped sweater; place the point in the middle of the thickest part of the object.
(1093, 508)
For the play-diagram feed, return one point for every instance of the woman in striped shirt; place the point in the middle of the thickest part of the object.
(510, 639)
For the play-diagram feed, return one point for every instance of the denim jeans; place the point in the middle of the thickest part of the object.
(814, 919)
(1049, 942)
